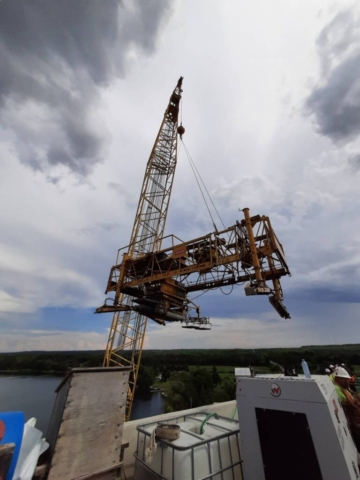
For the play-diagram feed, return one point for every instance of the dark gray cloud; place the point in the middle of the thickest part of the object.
(354, 161)
(326, 294)
(335, 101)
(55, 55)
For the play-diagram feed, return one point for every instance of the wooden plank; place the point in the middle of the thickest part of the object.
(90, 434)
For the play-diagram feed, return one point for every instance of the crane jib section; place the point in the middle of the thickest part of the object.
(152, 209)
(127, 331)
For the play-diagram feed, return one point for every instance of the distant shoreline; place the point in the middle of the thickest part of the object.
(45, 373)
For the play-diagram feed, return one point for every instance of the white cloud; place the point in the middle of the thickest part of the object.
(10, 303)
(247, 332)
(15, 341)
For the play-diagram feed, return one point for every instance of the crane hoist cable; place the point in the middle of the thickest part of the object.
(197, 177)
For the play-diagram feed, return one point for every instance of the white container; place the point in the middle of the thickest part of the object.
(193, 455)
(305, 368)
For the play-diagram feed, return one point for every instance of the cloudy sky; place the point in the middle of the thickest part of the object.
(271, 107)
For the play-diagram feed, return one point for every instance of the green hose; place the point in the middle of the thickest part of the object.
(205, 420)
(233, 415)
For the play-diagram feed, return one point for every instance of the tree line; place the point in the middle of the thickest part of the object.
(190, 378)
(317, 357)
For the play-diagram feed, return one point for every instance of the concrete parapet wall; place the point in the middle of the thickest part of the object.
(225, 409)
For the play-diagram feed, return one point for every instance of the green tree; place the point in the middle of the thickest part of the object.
(146, 378)
(204, 386)
(182, 393)
(165, 373)
(215, 377)
(226, 391)
(190, 389)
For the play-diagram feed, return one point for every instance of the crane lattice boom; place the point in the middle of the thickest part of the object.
(128, 326)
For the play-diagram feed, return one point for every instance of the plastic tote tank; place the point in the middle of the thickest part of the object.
(208, 446)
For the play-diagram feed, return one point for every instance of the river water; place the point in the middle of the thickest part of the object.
(35, 396)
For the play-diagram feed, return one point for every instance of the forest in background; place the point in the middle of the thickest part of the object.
(189, 378)
(317, 357)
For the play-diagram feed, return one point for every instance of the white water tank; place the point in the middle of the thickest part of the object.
(194, 455)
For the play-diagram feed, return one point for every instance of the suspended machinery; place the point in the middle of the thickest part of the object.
(159, 282)
(149, 281)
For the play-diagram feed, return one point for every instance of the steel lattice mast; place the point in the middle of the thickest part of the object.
(127, 332)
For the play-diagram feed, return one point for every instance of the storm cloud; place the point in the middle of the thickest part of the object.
(335, 101)
(55, 57)
(354, 161)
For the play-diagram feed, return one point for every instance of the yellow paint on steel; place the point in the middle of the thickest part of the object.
(254, 253)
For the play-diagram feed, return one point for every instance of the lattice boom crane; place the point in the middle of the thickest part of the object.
(154, 282)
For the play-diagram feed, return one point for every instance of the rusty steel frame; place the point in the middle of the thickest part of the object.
(128, 328)
(246, 251)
